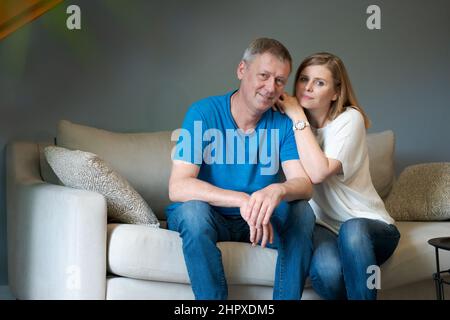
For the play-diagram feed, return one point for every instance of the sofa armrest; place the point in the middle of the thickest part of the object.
(56, 235)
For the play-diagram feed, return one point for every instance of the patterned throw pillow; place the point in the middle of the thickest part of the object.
(85, 170)
(421, 193)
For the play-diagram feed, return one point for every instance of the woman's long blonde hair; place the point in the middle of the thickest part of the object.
(342, 85)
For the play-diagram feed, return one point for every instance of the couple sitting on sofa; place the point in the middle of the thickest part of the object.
(232, 189)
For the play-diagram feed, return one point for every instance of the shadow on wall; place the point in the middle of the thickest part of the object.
(3, 248)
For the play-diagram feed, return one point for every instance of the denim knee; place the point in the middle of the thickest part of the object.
(192, 215)
(352, 231)
(195, 206)
(327, 278)
(302, 215)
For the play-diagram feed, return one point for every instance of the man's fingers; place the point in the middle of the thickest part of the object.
(252, 235)
(270, 233)
(262, 214)
(258, 236)
(266, 235)
(243, 211)
(248, 209)
(255, 212)
(267, 215)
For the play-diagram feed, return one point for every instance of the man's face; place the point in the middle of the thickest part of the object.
(262, 81)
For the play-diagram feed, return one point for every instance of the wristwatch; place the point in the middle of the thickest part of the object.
(300, 125)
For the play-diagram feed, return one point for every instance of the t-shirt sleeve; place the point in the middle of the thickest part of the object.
(288, 148)
(190, 145)
(347, 143)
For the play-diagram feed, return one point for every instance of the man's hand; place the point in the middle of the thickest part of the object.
(265, 234)
(267, 230)
(259, 209)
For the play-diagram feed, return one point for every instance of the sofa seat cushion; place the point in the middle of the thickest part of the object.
(145, 253)
(414, 259)
(140, 252)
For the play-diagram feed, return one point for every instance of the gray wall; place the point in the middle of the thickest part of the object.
(137, 65)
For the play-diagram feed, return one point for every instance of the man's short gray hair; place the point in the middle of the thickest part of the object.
(263, 45)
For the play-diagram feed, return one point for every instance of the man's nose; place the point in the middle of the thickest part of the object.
(270, 85)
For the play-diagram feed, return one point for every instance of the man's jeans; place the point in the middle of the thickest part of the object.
(339, 264)
(201, 227)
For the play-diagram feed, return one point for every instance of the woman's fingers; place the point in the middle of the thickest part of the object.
(279, 106)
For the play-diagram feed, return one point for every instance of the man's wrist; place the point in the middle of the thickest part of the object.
(283, 190)
(242, 199)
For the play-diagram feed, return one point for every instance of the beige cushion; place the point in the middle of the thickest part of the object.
(381, 160)
(141, 158)
(414, 259)
(47, 173)
(85, 170)
(120, 288)
(156, 254)
(422, 192)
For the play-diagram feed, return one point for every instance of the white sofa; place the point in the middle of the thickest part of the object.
(60, 245)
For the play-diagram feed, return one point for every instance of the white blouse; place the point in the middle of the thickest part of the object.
(351, 194)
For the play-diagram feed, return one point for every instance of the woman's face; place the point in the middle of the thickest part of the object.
(315, 88)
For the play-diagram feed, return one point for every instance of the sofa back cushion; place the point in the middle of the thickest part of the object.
(381, 147)
(144, 159)
(141, 158)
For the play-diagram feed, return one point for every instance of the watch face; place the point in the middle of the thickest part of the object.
(300, 125)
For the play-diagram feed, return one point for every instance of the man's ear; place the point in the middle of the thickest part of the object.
(241, 69)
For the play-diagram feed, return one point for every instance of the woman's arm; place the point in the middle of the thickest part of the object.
(316, 164)
(313, 159)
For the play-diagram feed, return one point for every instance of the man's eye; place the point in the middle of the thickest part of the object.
(263, 76)
(281, 82)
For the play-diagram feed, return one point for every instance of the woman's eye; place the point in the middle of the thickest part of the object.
(303, 79)
(320, 83)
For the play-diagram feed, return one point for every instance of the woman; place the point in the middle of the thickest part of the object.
(355, 234)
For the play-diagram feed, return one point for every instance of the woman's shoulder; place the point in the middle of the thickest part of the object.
(350, 117)
(350, 113)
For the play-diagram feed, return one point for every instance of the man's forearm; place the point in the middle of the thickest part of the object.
(296, 189)
(196, 189)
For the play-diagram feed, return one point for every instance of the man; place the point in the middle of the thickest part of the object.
(230, 189)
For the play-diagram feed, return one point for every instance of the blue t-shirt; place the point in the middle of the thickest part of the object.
(229, 158)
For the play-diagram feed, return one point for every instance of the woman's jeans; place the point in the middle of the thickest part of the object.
(201, 227)
(341, 264)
